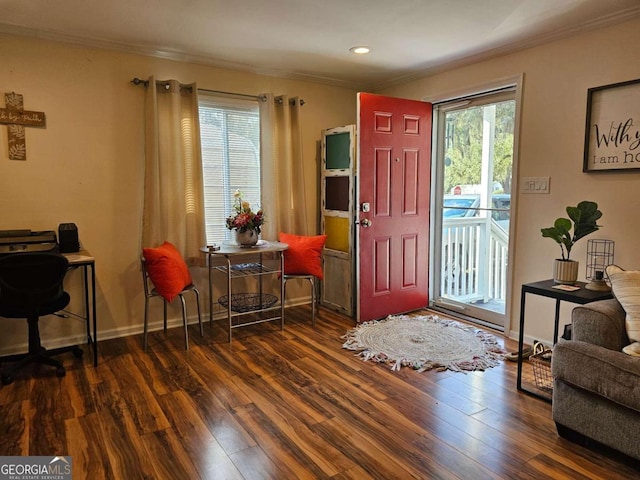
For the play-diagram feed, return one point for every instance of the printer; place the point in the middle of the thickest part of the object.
(15, 241)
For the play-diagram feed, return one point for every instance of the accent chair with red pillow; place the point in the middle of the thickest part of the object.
(171, 278)
(303, 260)
(304, 255)
(167, 270)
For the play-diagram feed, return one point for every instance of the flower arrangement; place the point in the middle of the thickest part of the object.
(244, 218)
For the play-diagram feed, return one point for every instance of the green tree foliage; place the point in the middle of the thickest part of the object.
(463, 146)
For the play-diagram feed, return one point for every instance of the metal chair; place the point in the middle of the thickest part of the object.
(150, 292)
(312, 281)
(31, 287)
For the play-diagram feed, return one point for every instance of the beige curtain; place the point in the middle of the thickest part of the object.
(283, 176)
(173, 186)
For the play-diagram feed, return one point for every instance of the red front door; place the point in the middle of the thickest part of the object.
(394, 178)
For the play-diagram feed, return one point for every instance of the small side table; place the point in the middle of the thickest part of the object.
(545, 289)
(83, 259)
(235, 253)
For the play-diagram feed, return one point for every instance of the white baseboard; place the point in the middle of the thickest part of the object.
(81, 339)
(528, 340)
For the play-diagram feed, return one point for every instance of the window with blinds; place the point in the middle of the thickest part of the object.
(230, 139)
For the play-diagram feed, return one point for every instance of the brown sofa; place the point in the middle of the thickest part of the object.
(596, 389)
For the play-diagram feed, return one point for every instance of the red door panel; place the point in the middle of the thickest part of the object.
(394, 172)
(382, 266)
(382, 185)
(409, 261)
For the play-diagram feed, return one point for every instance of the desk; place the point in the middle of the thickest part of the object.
(84, 260)
(545, 289)
(233, 255)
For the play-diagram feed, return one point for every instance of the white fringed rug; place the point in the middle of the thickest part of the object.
(424, 343)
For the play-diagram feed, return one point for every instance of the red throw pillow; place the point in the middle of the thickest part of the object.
(167, 270)
(304, 255)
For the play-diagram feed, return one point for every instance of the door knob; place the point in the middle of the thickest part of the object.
(365, 222)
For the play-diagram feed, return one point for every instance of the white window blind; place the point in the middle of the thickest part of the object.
(230, 138)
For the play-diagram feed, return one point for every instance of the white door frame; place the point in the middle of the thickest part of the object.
(515, 82)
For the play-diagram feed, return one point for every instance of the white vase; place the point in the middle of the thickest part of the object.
(248, 238)
(565, 271)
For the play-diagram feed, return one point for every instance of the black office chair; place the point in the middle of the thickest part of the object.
(30, 287)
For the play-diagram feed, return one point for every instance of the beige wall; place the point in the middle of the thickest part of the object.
(85, 167)
(556, 78)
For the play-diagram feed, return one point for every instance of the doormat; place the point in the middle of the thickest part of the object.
(424, 343)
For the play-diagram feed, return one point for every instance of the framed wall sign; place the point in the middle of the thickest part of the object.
(612, 132)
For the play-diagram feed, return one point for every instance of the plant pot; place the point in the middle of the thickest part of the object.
(565, 271)
(248, 238)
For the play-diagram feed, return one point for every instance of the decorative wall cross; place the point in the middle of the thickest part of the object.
(15, 117)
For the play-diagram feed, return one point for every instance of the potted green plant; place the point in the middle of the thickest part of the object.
(582, 218)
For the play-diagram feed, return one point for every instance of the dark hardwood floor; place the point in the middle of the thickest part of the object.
(284, 405)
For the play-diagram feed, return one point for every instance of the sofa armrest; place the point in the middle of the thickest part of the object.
(600, 323)
(612, 375)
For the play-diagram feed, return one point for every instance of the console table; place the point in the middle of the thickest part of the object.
(234, 268)
(545, 288)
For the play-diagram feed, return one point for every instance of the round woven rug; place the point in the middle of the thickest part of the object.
(424, 343)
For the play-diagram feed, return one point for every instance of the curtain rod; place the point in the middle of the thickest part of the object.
(137, 81)
(263, 98)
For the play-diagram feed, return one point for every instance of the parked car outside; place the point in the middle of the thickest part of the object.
(458, 206)
(456, 253)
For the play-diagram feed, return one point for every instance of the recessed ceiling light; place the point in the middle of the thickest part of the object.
(360, 50)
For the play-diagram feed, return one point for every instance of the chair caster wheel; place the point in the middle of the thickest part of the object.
(78, 353)
(7, 379)
(60, 372)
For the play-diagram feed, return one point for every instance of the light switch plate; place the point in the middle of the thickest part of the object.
(534, 184)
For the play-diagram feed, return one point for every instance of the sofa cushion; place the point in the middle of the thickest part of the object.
(607, 373)
(600, 323)
(625, 285)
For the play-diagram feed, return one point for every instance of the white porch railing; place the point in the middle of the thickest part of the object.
(474, 260)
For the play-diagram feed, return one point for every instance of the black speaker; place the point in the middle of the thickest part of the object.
(68, 238)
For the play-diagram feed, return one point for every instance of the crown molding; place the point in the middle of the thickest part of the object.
(520, 45)
(175, 55)
(413, 74)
